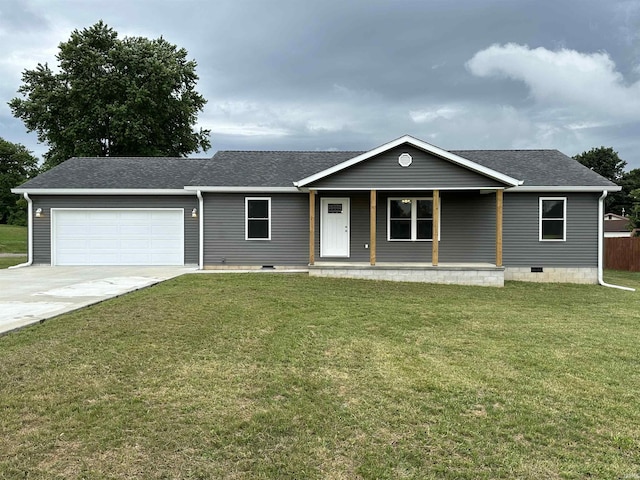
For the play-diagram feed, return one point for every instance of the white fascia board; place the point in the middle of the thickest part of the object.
(103, 191)
(213, 189)
(427, 147)
(402, 189)
(560, 188)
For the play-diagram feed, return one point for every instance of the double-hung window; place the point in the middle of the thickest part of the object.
(409, 219)
(553, 219)
(257, 218)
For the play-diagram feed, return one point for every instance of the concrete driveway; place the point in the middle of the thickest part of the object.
(32, 294)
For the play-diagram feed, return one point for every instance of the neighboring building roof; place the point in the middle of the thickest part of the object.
(617, 225)
(280, 169)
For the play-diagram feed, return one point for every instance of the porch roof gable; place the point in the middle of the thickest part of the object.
(427, 147)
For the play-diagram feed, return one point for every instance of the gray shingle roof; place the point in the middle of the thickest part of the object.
(266, 169)
(281, 169)
(120, 172)
(536, 167)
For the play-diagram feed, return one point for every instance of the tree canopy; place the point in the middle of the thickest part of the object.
(17, 165)
(604, 161)
(113, 97)
(634, 214)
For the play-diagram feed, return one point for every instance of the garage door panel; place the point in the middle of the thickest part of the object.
(163, 230)
(118, 237)
(132, 230)
(98, 230)
(73, 243)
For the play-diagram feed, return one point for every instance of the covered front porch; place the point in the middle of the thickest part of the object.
(374, 233)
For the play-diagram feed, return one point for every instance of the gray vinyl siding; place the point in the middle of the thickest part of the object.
(426, 171)
(521, 247)
(387, 251)
(224, 231)
(467, 229)
(42, 225)
(468, 224)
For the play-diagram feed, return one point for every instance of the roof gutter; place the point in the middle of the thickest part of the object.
(241, 189)
(29, 233)
(600, 245)
(201, 230)
(102, 191)
(560, 188)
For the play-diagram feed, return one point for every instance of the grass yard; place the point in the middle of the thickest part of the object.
(6, 262)
(285, 376)
(13, 239)
(620, 277)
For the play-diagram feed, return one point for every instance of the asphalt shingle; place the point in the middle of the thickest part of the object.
(536, 167)
(282, 168)
(120, 172)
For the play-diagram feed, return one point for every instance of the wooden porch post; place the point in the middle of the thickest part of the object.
(499, 204)
(372, 228)
(312, 226)
(434, 234)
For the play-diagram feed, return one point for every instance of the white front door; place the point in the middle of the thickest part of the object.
(334, 227)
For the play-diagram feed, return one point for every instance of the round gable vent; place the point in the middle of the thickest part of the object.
(405, 160)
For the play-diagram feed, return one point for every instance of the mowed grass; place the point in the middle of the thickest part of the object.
(623, 278)
(6, 262)
(285, 376)
(13, 239)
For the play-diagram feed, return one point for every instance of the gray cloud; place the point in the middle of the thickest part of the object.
(286, 74)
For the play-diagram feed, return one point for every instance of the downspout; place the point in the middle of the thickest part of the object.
(201, 228)
(600, 245)
(29, 233)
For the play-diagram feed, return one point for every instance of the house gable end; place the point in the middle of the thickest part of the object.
(428, 167)
(406, 167)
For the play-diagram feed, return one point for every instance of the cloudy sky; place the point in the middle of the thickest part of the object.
(354, 74)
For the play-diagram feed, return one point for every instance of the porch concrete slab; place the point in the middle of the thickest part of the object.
(408, 265)
(32, 294)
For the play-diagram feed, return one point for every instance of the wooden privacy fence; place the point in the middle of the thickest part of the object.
(622, 253)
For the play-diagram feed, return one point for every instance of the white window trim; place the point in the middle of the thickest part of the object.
(564, 219)
(246, 218)
(414, 223)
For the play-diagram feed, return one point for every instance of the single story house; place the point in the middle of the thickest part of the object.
(406, 210)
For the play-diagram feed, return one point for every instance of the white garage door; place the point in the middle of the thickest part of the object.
(117, 237)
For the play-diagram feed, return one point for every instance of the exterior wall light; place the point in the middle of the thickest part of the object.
(194, 213)
(38, 212)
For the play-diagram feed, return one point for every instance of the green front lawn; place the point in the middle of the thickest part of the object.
(621, 277)
(286, 376)
(6, 262)
(13, 239)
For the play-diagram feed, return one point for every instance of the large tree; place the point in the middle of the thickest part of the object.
(606, 162)
(113, 97)
(17, 165)
(629, 182)
(634, 213)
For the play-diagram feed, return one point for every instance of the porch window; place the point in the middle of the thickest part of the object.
(257, 218)
(553, 219)
(409, 219)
